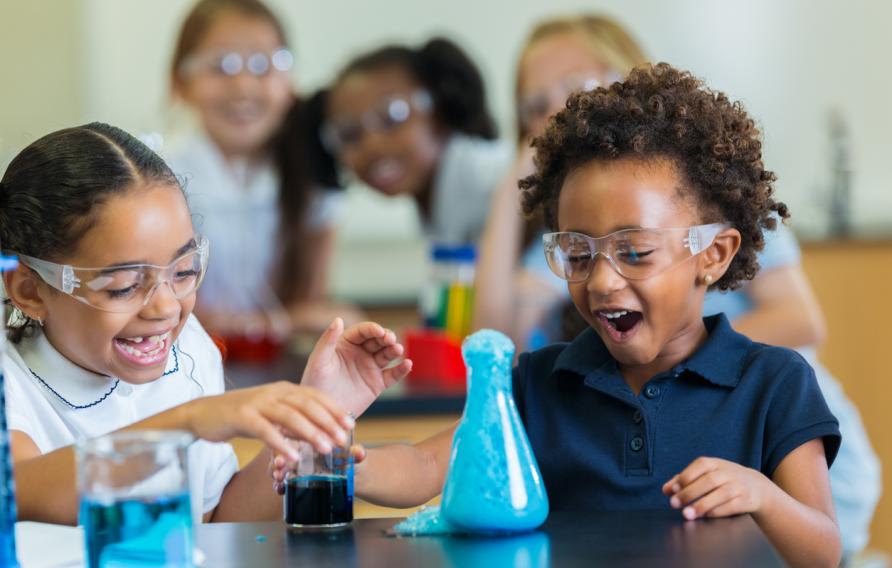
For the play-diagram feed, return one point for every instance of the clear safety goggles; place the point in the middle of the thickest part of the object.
(385, 116)
(636, 254)
(125, 288)
(232, 63)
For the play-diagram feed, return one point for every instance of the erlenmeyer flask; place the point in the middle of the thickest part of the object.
(493, 484)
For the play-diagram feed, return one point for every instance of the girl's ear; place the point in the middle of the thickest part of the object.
(23, 288)
(715, 260)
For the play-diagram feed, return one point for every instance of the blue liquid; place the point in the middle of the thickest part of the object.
(494, 484)
(318, 500)
(138, 532)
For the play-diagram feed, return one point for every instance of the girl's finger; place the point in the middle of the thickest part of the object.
(709, 502)
(270, 435)
(697, 468)
(385, 356)
(701, 486)
(331, 407)
(394, 374)
(733, 506)
(671, 487)
(320, 416)
(359, 453)
(299, 427)
(360, 333)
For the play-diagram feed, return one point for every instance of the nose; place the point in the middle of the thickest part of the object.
(161, 303)
(244, 83)
(604, 279)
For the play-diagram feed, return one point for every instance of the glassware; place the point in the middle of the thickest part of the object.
(134, 499)
(319, 487)
(493, 484)
(7, 480)
(447, 302)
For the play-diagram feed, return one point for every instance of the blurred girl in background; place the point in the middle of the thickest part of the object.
(414, 121)
(268, 214)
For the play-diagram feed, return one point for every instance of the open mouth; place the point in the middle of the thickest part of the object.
(620, 324)
(144, 350)
(385, 173)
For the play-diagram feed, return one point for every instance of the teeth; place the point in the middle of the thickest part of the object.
(156, 339)
(614, 315)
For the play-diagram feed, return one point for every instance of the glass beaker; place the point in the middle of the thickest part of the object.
(319, 487)
(134, 499)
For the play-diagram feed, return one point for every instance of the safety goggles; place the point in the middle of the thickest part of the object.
(540, 104)
(636, 254)
(232, 63)
(125, 288)
(385, 116)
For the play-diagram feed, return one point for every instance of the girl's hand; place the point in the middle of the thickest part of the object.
(354, 366)
(271, 413)
(712, 487)
(278, 465)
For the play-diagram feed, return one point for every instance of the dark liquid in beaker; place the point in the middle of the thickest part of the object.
(318, 501)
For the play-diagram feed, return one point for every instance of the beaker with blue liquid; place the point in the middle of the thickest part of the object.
(134, 499)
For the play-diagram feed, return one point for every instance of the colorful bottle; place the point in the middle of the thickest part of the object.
(494, 484)
(7, 481)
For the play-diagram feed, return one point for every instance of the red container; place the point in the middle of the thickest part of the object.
(260, 349)
(436, 358)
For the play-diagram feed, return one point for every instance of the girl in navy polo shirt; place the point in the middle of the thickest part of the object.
(655, 191)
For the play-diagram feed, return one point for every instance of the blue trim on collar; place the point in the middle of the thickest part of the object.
(70, 404)
(176, 361)
(176, 367)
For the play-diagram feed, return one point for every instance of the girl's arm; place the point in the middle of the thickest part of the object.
(508, 298)
(785, 311)
(46, 486)
(402, 475)
(794, 508)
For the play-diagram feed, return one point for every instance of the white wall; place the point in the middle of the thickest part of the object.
(790, 61)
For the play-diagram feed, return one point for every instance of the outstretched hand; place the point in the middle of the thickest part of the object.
(354, 366)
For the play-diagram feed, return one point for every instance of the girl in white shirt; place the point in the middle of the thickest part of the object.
(103, 338)
(272, 230)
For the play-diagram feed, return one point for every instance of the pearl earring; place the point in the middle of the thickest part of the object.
(708, 279)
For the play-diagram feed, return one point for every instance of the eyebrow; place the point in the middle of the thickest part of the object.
(127, 264)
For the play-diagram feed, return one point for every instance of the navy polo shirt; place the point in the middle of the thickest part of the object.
(600, 447)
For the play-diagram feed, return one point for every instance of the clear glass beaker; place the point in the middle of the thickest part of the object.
(319, 487)
(134, 499)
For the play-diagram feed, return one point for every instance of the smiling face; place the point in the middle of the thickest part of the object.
(662, 325)
(241, 112)
(145, 224)
(548, 67)
(398, 160)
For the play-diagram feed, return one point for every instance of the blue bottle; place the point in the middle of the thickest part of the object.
(494, 484)
(7, 481)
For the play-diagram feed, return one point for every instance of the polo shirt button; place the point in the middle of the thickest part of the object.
(637, 417)
(636, 444)
(652, 391)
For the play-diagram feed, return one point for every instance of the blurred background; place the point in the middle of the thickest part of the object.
(814, 74)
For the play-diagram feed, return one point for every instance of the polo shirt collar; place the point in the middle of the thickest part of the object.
(719, 360)
(68, 383)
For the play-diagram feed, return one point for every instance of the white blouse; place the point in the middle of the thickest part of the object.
(57, 403)
(235, 205)
(467, 176)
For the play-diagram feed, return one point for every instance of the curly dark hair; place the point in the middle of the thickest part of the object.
(660, 112)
